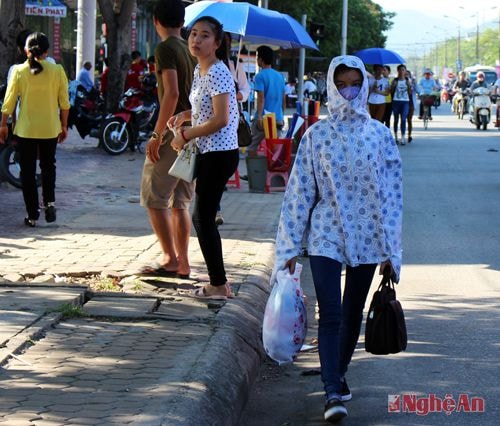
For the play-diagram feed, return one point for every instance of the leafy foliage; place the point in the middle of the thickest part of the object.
(11, 22)
(484, 50)
(367, 23)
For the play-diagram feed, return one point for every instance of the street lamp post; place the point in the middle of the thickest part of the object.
(459, 59)
(343, 48)
(445, 45)
(476, 15)
(493, 8)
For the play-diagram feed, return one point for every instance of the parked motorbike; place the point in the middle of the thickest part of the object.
(10, 170)
(134, 122)
(480, 107)
(87, 110)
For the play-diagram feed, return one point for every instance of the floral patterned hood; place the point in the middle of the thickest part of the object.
(344, 195)
(339, 108)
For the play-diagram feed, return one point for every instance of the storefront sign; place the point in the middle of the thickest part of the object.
(49, 8)
(56, 39)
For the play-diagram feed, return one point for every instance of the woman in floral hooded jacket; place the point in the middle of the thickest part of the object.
(344, 200)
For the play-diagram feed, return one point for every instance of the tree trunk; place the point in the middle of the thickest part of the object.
(11, 23)
(117, 14)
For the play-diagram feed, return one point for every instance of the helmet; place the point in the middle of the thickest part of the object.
(149, 81)
(480, 74)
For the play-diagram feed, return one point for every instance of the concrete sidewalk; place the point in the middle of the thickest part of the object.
(146, 353)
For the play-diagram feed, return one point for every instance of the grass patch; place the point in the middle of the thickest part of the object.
(138, 286)
(70, 311)
(106, 284)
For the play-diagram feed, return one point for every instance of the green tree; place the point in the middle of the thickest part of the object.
(116, 14)
(367, 23)
(11, 22)
(483, 46)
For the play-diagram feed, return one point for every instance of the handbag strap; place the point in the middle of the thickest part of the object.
(386, 281)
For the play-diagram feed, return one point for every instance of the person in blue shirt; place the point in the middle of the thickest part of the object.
(84, 76)
(270, 87)
(426, 86)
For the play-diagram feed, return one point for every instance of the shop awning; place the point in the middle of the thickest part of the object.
(51, 8)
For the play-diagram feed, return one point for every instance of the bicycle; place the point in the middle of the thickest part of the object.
(428, 102)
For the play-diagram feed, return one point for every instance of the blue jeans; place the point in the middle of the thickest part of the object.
(400, 108)
(339, 322)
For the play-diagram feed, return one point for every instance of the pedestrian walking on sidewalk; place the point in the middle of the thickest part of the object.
(42, 90)
(345, 194)
(388, 99)
(166, 198)
(215, 123)
(401, 96)
(413, 102)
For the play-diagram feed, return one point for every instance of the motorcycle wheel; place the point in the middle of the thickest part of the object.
(109, 136)
(484, 122)
(460, 110)
(10, 169)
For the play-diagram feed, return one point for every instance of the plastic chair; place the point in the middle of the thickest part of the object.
(279, 159)
(236, 180)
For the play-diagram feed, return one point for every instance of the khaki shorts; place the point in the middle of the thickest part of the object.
(159, 190)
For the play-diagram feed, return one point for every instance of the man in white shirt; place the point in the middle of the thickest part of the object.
(309, 89)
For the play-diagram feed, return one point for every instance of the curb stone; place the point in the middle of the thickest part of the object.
(222, 388)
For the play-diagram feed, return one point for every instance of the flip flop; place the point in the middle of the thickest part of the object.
(157, 271)
(199, 293)
(183, 276)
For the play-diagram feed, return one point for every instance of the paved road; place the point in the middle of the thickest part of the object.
(450, 291)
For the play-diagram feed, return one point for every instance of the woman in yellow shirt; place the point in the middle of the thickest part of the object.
(42, 90)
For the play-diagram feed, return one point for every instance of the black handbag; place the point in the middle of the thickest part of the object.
(244, 132)
(385, 331)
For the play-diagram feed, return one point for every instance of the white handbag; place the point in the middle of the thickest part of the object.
(184, 166)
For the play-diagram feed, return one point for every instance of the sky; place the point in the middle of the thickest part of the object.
(420, 23)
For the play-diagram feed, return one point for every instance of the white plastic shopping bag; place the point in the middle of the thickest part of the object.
(285, 319)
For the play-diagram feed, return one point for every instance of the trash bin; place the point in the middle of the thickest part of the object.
(257, 172)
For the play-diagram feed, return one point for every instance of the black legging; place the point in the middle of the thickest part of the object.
(214, 170)
(387, 114)
(29, 150)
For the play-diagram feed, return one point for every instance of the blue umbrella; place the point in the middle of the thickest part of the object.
(379, 55)
(255, 24)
